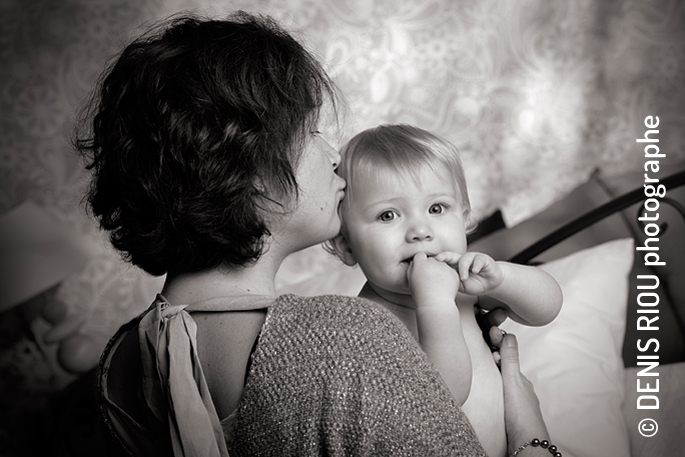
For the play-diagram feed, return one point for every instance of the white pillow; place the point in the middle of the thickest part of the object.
(575, 362)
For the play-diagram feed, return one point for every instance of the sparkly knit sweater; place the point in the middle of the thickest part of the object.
(329, 375)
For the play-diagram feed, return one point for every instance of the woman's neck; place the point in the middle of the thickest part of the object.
(254, 279)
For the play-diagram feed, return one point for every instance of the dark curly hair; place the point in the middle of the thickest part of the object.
(192, 129)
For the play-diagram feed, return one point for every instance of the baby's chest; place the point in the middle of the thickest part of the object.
(484, 368)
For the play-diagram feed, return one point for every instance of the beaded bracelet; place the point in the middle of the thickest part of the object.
(544, 444)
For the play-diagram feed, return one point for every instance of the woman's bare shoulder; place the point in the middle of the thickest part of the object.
(225, 341)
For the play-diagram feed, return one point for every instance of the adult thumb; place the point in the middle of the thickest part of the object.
(509, 353)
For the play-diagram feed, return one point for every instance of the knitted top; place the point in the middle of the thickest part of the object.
(329, 375)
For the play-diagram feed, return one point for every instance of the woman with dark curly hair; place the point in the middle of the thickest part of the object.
(208, 167)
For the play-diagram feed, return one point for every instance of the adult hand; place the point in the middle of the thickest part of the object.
(489, 322)
(522, 415)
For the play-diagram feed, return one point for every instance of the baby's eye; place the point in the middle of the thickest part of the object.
(436, 209)
(387, 216)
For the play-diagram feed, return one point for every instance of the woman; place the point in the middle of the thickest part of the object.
(209, 167)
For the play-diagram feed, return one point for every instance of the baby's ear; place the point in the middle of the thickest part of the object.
(342, 250)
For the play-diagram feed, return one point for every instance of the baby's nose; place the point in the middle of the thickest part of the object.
(419, 232)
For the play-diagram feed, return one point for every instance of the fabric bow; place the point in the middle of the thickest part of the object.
(173, 382)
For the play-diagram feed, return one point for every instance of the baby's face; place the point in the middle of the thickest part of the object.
(389, 218)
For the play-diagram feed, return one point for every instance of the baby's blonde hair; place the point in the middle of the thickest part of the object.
(405, 149)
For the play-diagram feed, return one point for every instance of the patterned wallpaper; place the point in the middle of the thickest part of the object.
(536, 94)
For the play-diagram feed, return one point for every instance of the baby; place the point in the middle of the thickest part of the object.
(405, 219)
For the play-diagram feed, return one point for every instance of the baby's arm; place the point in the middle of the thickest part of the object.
(434, 288)
(530, 295)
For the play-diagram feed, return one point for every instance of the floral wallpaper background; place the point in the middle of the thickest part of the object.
(536, 94)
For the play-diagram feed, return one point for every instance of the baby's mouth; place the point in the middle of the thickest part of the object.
(409, 259)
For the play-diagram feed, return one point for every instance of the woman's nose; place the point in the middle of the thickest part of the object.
(419, 231)
(335, 157)
(333, 154)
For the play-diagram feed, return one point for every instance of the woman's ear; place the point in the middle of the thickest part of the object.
(342, 250)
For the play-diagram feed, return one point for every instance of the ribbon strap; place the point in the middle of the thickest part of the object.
(174, 385)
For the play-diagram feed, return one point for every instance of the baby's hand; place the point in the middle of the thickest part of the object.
(432, 283)
(478, 272)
